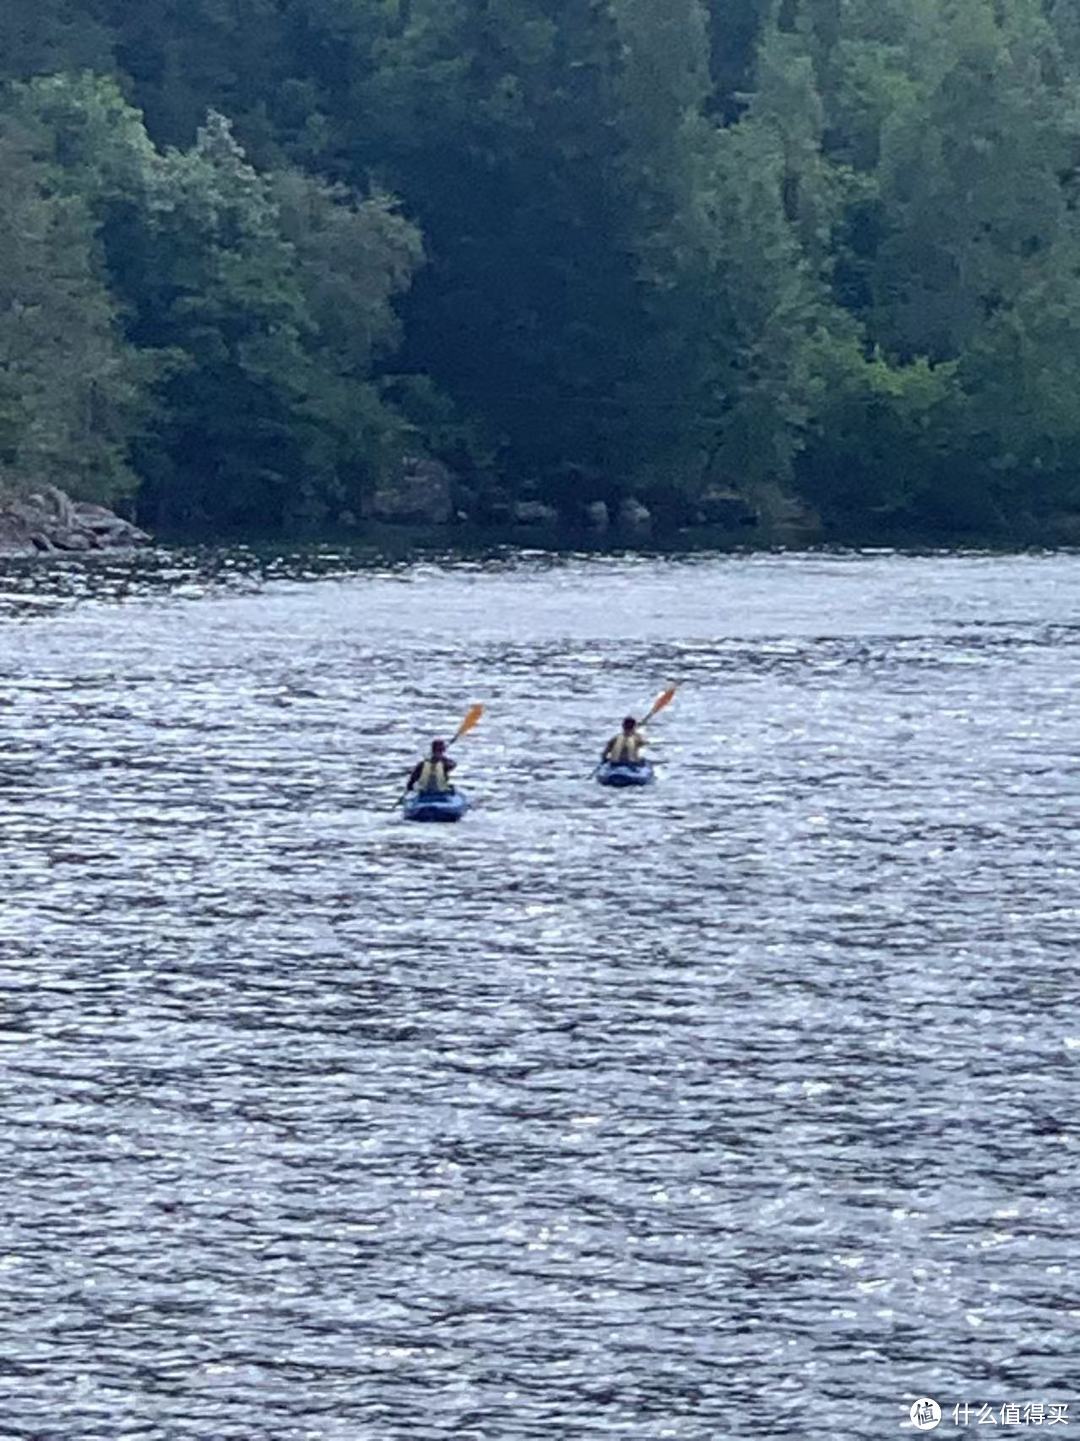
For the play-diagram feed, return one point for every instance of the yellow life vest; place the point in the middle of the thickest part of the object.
(626, 749)
(433, 777)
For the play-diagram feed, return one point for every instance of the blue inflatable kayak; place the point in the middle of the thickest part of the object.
(625, 775)
(435, 806)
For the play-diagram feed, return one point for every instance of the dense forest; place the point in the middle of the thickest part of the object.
(805, 253)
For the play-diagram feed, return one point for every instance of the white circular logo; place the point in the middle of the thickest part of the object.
(925, 1414)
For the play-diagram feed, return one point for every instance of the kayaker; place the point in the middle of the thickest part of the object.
(625, 748)
(433, 774)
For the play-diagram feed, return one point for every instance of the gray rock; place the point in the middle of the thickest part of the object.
(635, 517)
(597, 516)
(47, 521)
(725, 508)
(63, 508)
(106, 527)
(534, 512)
(74, 540)
(420, 494)
(94, 517)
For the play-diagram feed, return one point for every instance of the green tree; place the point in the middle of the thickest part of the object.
(1021, 425)
(664, 88)
(787, 101)
(884, 443)
(970, 175)
(772, 307)
(502, 126)
(734, 30)
(265, 303)
(44, 37)
(233, 436)
(69, 387)
(354, 259)
(183, 60)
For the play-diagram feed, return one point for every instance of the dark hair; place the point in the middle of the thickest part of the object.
(629, 723)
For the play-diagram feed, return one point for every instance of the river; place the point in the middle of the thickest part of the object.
(746, 1105)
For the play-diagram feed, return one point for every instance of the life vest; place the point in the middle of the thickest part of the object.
(625, 749)
(433, 777)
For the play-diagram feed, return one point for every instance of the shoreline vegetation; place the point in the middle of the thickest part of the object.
(760, 269)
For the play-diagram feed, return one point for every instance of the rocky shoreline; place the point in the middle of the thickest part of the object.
(48, 522)
(427, 493)
(425, 498)
(427, 505)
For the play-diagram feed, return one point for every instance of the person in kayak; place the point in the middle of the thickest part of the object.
(625, 748)
(433, 774)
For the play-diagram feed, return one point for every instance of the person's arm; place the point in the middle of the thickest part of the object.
(450, 765)
(606, 752)
(415, 775)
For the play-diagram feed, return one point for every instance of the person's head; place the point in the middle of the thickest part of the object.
(629, 726)
(438, 749)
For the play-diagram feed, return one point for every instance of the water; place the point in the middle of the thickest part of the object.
(742, 1106)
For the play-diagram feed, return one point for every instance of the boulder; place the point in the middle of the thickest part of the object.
(726, 508)
(534, 512)
(64, 539)
(110, 528)
(597, 517)
(634, 517)
(63, 507)
(420, 494)
(47, 521)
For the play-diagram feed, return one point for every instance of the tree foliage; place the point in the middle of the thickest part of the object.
(258, 303)
(69, 385)
(828, 248)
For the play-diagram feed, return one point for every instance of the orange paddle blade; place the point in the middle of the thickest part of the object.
(470, 720)
(662, 701)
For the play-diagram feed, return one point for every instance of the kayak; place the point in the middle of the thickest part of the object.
(435, 806)
(625, 775)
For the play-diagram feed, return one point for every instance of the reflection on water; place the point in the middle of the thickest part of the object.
(741, 1106)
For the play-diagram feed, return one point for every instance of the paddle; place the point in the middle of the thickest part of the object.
(663, 700)
(472, 719)
(660, 703)
(468, 723)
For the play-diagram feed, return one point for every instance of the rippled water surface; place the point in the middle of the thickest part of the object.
(746, 1105)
